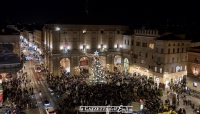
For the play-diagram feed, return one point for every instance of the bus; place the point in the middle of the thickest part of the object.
(50, 110)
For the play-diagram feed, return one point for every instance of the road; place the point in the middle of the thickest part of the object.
(38, 82)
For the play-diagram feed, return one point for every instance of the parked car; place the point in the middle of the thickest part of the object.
(7, 52)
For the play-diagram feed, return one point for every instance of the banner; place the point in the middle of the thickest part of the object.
(1, 95)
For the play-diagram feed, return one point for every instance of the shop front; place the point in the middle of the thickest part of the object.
(117, 63)
(176, 80)
(157, 81)
(193, 83)
(144, 76)
(8, 77)
(167, 83)
(1, 78)
(151, 78)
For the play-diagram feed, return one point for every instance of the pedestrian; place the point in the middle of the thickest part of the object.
(180, 111)
(184, 112)
(24, 67)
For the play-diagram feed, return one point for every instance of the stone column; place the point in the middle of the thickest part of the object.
(51, 64)
(90, 60)
(56, 66)
(48, 61)
(47, 38)
(110, 61)
(73, 64)
(55, 42)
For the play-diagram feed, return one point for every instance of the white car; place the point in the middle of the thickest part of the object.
(38, 68)
(46, 103)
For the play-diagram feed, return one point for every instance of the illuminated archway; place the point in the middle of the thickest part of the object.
(178, 69)
(176, 79)
(167, 83)
(83, 65)
(65, 65)
(126, 64)
(117, 63)
(8, 77)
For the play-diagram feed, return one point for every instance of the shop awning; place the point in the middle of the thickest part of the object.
(9, 75)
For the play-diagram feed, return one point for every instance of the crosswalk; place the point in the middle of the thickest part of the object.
(31, 83)
(40, 82)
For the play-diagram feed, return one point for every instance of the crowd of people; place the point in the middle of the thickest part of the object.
(17, 94)
(80, 92)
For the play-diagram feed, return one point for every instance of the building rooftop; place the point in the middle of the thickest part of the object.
(9, 60)
(82, 18)
(130, 32)
(170, 36)
(30, 27)
(194, 49)
(4, 30)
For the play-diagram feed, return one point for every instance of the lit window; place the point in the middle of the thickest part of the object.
(84, 31)
(160, 70)
(151, 46)
(142, 61)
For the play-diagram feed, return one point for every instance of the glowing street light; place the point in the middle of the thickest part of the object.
(57, 28)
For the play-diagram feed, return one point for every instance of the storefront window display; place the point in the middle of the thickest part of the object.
(167, 83)
(157, 82)
(176, 81)
(151, 78)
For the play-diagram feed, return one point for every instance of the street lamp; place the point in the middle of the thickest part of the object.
(57, 29)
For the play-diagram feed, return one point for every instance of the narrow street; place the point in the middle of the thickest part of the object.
(38, 82)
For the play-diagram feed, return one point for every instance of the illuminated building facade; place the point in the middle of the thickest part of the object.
(162, 58)
(193, 68)
(69, 47)
(159, 57)
(9, 53)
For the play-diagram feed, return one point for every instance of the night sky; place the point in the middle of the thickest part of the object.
(140, 11)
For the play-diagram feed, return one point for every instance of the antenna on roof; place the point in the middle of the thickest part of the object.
(86, 8)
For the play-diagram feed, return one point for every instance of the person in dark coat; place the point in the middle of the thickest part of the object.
(184, 112)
